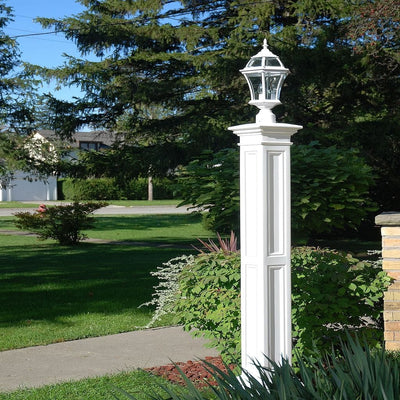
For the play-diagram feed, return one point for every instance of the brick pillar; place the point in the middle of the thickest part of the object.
(390, 223)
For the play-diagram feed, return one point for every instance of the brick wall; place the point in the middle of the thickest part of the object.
(390, 228)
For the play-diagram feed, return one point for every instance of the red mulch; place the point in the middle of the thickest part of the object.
(195, 370)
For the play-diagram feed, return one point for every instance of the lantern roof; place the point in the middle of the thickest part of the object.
(264, 58)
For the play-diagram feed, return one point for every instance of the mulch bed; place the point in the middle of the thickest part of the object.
(196, 371)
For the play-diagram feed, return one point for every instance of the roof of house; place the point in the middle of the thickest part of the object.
(104, 137)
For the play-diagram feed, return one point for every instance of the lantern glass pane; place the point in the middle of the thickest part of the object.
(256, 87)
(255, 62)
(272, 86)
(272, 62)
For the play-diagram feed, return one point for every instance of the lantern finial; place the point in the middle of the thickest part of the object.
(265, 44)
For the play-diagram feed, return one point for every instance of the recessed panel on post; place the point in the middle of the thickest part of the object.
(275, 202)
(250, 203)
(250, 348)
(276, 311)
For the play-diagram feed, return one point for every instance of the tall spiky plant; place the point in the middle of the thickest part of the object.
(228, 245)
(357, 373)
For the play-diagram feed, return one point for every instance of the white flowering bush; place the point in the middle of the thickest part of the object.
(165, 292)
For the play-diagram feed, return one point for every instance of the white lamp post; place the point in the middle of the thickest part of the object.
(265, 218)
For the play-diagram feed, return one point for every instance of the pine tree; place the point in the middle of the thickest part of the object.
(184, 57)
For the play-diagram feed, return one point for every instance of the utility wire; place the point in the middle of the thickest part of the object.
(168, 15)
(35, 34)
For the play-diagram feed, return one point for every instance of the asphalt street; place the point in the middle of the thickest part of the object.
(112, 210)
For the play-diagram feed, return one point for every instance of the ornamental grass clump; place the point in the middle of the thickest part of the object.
(63, 223)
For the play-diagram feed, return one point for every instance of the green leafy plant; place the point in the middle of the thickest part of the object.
(212, 183)
(112, 189)
(331, 292)
(209, 300)
(330, 188)
(355, 372)
(88, 189)
(63, 223)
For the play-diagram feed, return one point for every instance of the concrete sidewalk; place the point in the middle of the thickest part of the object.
(42, 365)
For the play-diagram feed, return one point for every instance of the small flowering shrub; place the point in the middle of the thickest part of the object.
(331, 292)
(63, 223)
(167, 288)
(208, 302)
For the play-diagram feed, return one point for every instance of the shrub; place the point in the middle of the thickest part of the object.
(110, 189)
(89, 189)
(137, 189)
(355, 372)
(209, 300)
(165, 292)
(63, 223)
(212, 183)
(330, 188)
(331, 291)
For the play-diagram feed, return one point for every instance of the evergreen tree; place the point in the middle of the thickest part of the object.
(184, 57)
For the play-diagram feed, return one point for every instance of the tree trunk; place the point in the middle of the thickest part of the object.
(150, 188)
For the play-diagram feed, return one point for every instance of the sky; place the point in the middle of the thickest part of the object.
(45, 50)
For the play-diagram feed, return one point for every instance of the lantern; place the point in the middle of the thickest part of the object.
(265, 74)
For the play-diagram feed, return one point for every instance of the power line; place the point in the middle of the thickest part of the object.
(171, 14)
(35, 34)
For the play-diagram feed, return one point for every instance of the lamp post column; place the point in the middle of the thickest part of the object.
(265, 241)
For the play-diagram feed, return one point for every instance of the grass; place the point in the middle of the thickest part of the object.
(17, 204)
(131, 203)
(171, 228)
(52, 294)
(136, 383)
(7, 223)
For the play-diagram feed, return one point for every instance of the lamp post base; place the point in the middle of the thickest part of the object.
(265, 242)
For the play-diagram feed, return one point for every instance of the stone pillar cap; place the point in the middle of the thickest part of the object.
(388, 219)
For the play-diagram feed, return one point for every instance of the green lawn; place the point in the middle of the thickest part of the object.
(185, 228)
(130, 203)
(17, 204)
(8, 224)
(51, 293)
(137, 383)
(179, 228)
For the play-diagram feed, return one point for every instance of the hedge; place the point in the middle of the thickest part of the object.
(110, 189)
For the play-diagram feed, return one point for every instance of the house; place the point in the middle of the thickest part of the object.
(23, 186)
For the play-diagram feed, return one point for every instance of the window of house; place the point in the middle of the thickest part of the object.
(89, 146)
